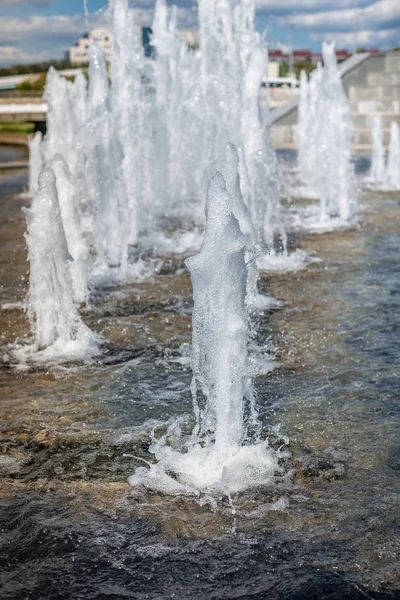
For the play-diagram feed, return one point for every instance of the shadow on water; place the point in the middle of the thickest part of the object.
(327, 529)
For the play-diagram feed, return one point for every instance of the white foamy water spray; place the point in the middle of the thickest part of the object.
(59, 332)
(98, 131)
(231, 174)
(128, 106)
(334, 172)
(376, 175)
(141, 150)
(392, 173)
(224, 452)
(325, 149)
(104, 171)
(67, 197)
(307, 127)
(303, 133)
(35, 161)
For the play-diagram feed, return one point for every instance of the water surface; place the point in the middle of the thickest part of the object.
(73, 528)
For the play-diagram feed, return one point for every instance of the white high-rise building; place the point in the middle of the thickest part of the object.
(78, 53)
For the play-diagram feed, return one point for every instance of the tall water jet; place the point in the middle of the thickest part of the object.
(224, 452)
(59, 332)
(392, 174)
(307, 127)
(66, 191)
(104, 160)
(303, 127)
(324, 127)
(203, 99)
(61, 131)
(377, 172)
(334, 171)
(129, 108)
(142, 149)
(231, 174)
(35, 161)
(325, 132)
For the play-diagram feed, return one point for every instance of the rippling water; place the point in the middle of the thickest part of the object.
(73, 528)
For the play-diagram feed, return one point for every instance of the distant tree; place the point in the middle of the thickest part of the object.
(283, 69)
(36, 67)
(35, 85)
(298, 67)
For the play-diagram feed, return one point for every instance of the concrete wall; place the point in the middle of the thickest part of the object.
(373, 88)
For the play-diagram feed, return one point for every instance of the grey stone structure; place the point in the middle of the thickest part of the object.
(372, 84)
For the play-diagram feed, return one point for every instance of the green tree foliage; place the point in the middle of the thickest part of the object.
(298, 67)
(35, 85)
(36, 68)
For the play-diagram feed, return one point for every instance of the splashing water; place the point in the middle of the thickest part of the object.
(392, 174)
(307, 125)
(231, 174)
(59, 332)
(377, 172)
(66, 190)
(160, 128)
(325, 127)
(35, 161)
(303, 142)
(224, 452)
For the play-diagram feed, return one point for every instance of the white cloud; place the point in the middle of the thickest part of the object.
(306, 6)
(381, 14)
(38, 28)
(67, 29)
(10, 55)
(387, 38)
(58, 32)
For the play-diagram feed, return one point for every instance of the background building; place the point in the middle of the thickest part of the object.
(78, 53)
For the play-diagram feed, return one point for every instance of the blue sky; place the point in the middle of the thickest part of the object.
(34, 30)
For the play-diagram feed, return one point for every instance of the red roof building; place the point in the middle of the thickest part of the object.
(302, 56)
(278, 56)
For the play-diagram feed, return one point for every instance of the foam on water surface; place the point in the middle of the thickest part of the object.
(294, 261)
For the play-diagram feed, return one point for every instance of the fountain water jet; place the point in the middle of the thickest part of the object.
(35, 161)
(224, 452)
(334, 171)
(142, 149)
(377, 172)
(325, 126)
(392, 174)
(307, 132)
(59, 332)
(231, 174)
(66, 190)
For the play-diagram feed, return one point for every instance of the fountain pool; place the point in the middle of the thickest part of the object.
(73, 527)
